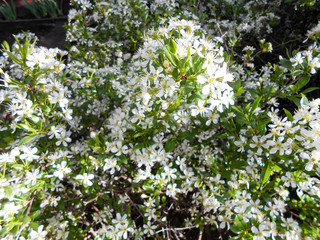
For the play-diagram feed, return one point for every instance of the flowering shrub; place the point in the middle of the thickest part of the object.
(147, 128)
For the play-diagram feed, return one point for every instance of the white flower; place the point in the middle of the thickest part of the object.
(9, 209)
(31, 177)
(86, 178)
(111, 163)
(63, 138)
(61, 170)
(261, 233)
(39, 234)
(29, 154)
(314, 160)
(149, 228)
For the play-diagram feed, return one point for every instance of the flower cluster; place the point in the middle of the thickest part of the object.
(148, 127)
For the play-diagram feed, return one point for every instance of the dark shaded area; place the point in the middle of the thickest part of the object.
(51, 32)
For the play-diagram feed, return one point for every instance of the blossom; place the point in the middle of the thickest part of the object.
(260, 233)
(199, 108)
(29, 154)
(9, 209)
(63, 137)
(40, 234)
(31, 177)
(313, 160)
(86, 178)
(111, 164)
(149, 228)
(61, 170)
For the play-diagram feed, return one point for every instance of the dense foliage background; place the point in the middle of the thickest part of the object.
(164, 120)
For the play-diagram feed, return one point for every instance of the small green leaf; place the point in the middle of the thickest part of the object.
(302, 81)
(295, 100)
(25, 219)
(190, 85)
(311, 89)
(286, 63)
(238, 165)
(170, 145)
(34, 225)
(36, 214)
(98, 149)
(289, 115)
(254, 93)
(240, 91)
(172, 45)
(44, 108)
(241, 225)
(27, 139)
(14, 58)
(206, 174)
(265, 173)
(8, 192)
(255, 105)
(169, 57)
(275, 166)
(304, 100)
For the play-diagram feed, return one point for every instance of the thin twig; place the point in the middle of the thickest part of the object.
(200, 235)
(220, 235)
(175, 234)
(30, 202)
(175, 229)
(92, 200)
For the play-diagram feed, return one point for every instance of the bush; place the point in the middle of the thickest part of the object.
(162, 121)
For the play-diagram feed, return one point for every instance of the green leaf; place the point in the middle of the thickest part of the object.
(293, 89)
(25, 219)
(5, 46)
(289, 115)
(286, 63)
(234, 229)
(275, 166)
(18, 167)
(311, 89)
(238, 165)
(297, 73)
(304, 100)
(262, 123)
(98, 149)
(34, 225)
(8, 192)
(265, 173)
(148, 187)
(206, 174)
(27, 139)
(255, 105)
(254, 93)
(302, 82)
(170, 145)
(14, 58)
(240, 91)
(8, 227)
(28, 79)
(44, 108)
(169, 57)
(295, 100)
(241, 225)
(122, 160)
(190, 85)
(172, 45)
(197, 63)
(36, 214)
